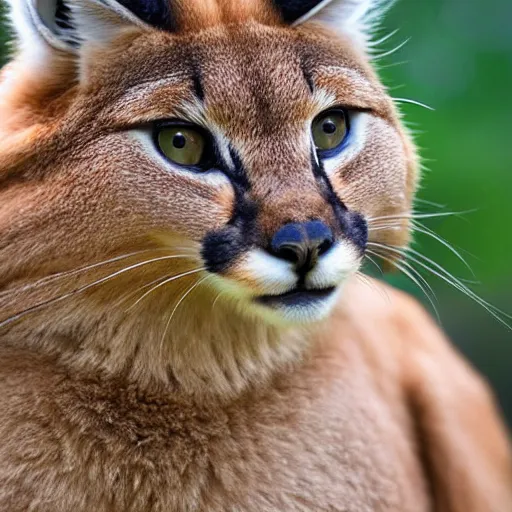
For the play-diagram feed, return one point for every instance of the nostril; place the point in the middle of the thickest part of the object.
(288, 253)
(302, 243)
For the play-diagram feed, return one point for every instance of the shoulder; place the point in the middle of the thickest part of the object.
(451, 406)
(387, 321)
(391, 324)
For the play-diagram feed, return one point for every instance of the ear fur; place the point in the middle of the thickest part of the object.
(44, 27)
(101, 21)
(354, 18)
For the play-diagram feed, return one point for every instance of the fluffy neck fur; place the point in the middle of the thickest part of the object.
(209, 348)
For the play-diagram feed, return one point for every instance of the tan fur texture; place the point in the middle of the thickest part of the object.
(120, 394)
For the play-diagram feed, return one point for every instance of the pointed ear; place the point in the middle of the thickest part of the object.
(46, 27)
(354, 18)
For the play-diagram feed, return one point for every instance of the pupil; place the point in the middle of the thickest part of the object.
(329, 127)
(179, 141)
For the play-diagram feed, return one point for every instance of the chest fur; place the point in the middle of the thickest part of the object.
(308, 442)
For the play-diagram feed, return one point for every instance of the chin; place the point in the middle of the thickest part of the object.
(268, 289)
(299, 307)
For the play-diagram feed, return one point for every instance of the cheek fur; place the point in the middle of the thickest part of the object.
(161, 197)
(375, 182)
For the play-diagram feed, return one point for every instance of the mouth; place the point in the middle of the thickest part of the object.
(298, 297)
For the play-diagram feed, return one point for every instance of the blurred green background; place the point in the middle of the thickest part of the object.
(459, 61)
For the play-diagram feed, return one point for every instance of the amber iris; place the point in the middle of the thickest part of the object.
(182, 145)
(329, 130)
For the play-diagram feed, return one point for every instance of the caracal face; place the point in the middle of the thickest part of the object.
(257, 152)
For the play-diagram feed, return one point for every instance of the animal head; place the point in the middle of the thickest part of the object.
(251, 139)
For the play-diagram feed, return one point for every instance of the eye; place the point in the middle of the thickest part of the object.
(330, 129)
(183, 145)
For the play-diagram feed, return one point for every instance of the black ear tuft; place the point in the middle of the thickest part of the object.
(63, 15)
(292, 10)
(154, 12)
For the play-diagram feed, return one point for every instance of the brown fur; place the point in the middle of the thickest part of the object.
(106, 409)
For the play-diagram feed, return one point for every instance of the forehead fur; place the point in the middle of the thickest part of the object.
(235, 69)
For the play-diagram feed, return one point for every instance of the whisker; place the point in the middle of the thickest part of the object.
(396, 88)
(414, 276)
(217, 299)
(183, 297)
(374, 44)
(366, 280)
(410, 267)
(163, 283)
(392, 64)
(441, 240)
(371, 260)
(420, 228)
(415, 215)
(384, 227)
(385, 222)
(454, 282)
(82, 289)
(126, 296)
(391, 52)
(429, 203)
(71, 273)
(413, 102)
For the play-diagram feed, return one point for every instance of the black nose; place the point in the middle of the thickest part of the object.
(302, 244)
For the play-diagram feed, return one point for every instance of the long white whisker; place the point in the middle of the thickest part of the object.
(183, 297)
(414, 215)
(71, 273)
(365, 279)
(222, 292)
(429, 203)
(82, 289)
(125, 297)
(374, 44)
(441, 240)
(417, 273)
(413, 102)
(440, 272)
(410, 267)
(385, 227)
(392, 64)
(163, 283)
(414, 276)
(370, 259)
(391, 52)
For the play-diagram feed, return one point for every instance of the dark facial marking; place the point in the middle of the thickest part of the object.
(238, 174)
(352, 224)
(221, 248)
(355, 229)
(198, 86)
(309, 78)
(193, 56)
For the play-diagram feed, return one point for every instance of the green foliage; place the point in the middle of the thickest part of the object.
(459, 61)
